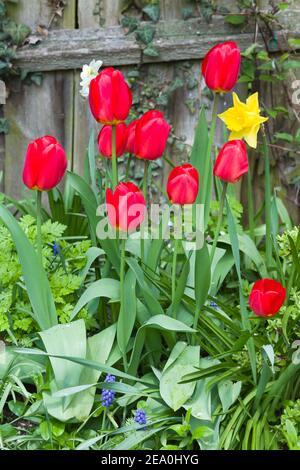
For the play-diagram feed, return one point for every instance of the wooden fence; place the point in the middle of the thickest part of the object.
(91, 29)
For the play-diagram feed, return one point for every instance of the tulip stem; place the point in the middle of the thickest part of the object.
(122, 284)
(268, 196)
(250, 204)
(207, 174)
(220, 220)
(174, 271)
(39, 225)
(145, 192)
(128, 167)
(114, 157)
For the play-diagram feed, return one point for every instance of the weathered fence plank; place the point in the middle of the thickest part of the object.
(175, 40)
(35, 111)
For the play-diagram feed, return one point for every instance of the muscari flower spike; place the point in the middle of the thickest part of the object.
(140, 417)
(108, 396)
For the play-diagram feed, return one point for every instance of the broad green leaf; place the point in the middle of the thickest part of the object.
(247, 246)
(199, 154)
(244, 314)
(200, 402)
(152, 303)
(158, 322)
(89, 201)
(83, 362)
(77, 401)
(35, 278)
(173, 393)
(127, 314)
(229, 393)
(92, 163)
(104, 288)
(66, 340)
(92, 254)
(135, 438)
(202, 276)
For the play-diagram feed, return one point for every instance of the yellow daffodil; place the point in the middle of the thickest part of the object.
(244, 119)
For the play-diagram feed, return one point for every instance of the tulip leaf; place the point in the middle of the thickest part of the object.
(127, 314)
(158, 322)
(183, 359)
(151, 301)
(202, 276)
(244, 314)
(37, 284)
(107, 288)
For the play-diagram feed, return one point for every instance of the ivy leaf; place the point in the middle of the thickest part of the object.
(153, 12)
(235, 20)
(206, 10)
(4, 126)
(187, 13)
(17, 32)
(284, 136)
(131, 24)
(36, 78)
(146, 34)
(151, 51)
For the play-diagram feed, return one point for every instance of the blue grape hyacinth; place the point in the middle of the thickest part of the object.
(140, 417)
(108, 396)
(56, 249)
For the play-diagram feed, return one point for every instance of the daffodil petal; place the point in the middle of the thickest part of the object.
(253, 104)
(251, 136)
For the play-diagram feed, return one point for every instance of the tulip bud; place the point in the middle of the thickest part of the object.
(267, 297)
(232, 161)
(110, 97)
(126, 207)
(183, 185)
(221, 67)
(45, 164)
(151, 135)
(105, 140)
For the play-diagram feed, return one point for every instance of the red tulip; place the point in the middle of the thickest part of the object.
(45, 164)
(105, 140)
(126, 207)
(267, 297)
(131, 137)
(232, 161)
(110, 97)
(151, 135)
(221, 67)
(183, 185)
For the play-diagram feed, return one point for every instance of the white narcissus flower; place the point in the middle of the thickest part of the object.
(89, 72)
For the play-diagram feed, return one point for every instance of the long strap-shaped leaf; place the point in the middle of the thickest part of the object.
(245, 319)
(35, 278)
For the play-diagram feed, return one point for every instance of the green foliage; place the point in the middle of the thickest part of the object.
(64, 278)
(12, 35)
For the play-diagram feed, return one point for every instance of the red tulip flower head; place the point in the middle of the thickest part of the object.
(221, 67)
(267, 297)
(45, 164)
(151, 135)
(110, 97)
(232, 162)
(105, 140)
(126, 207)
(130, 147)
(183, 185)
